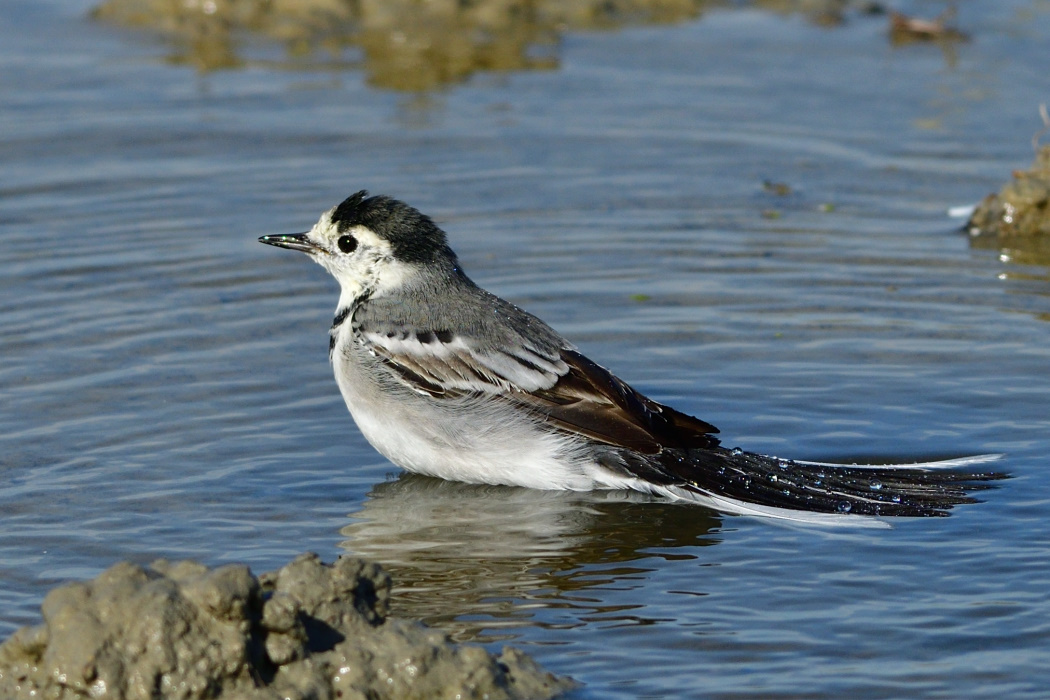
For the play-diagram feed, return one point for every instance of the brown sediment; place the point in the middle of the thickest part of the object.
(1021, 208)
(309, 630)
(905, 29)
(401, 44)
(826, 13)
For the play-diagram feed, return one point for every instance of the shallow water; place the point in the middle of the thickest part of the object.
(165, 390)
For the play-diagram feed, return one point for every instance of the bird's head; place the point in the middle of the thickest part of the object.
(373, 245)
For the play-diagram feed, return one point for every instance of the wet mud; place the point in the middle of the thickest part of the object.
(1021, 208)
(409, 45)
(402, 45)
(309, 630)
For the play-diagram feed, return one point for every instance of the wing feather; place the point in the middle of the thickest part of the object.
(454, 363)
(548, 378)
(591, 401)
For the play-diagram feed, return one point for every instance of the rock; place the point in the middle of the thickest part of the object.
(310, 630)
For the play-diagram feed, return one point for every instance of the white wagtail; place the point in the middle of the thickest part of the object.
(448, 380)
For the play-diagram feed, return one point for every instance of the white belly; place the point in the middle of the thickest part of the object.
(472, 440)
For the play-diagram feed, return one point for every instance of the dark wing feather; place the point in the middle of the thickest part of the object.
(590, 401)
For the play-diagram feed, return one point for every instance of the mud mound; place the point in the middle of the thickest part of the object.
(309, 630)
(1021, 208)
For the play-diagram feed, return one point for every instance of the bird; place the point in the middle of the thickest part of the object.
(448, 380)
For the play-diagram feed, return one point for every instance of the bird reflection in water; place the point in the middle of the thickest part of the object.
(479, 561)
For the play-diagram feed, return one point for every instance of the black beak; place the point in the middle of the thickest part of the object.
(291, 241)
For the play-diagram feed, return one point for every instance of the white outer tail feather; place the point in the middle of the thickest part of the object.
(733, 506)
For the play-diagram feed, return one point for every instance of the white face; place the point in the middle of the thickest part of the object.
(358, 258)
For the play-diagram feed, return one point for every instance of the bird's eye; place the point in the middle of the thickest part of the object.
(347, 244)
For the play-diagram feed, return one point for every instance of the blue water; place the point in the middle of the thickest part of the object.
(164, 389)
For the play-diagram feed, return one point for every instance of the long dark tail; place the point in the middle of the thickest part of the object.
(745, 482)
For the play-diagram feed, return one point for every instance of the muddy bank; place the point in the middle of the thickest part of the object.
(411, 45)
(309, 630)
(1021, 208)
(401, 44)
(1016, 219)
